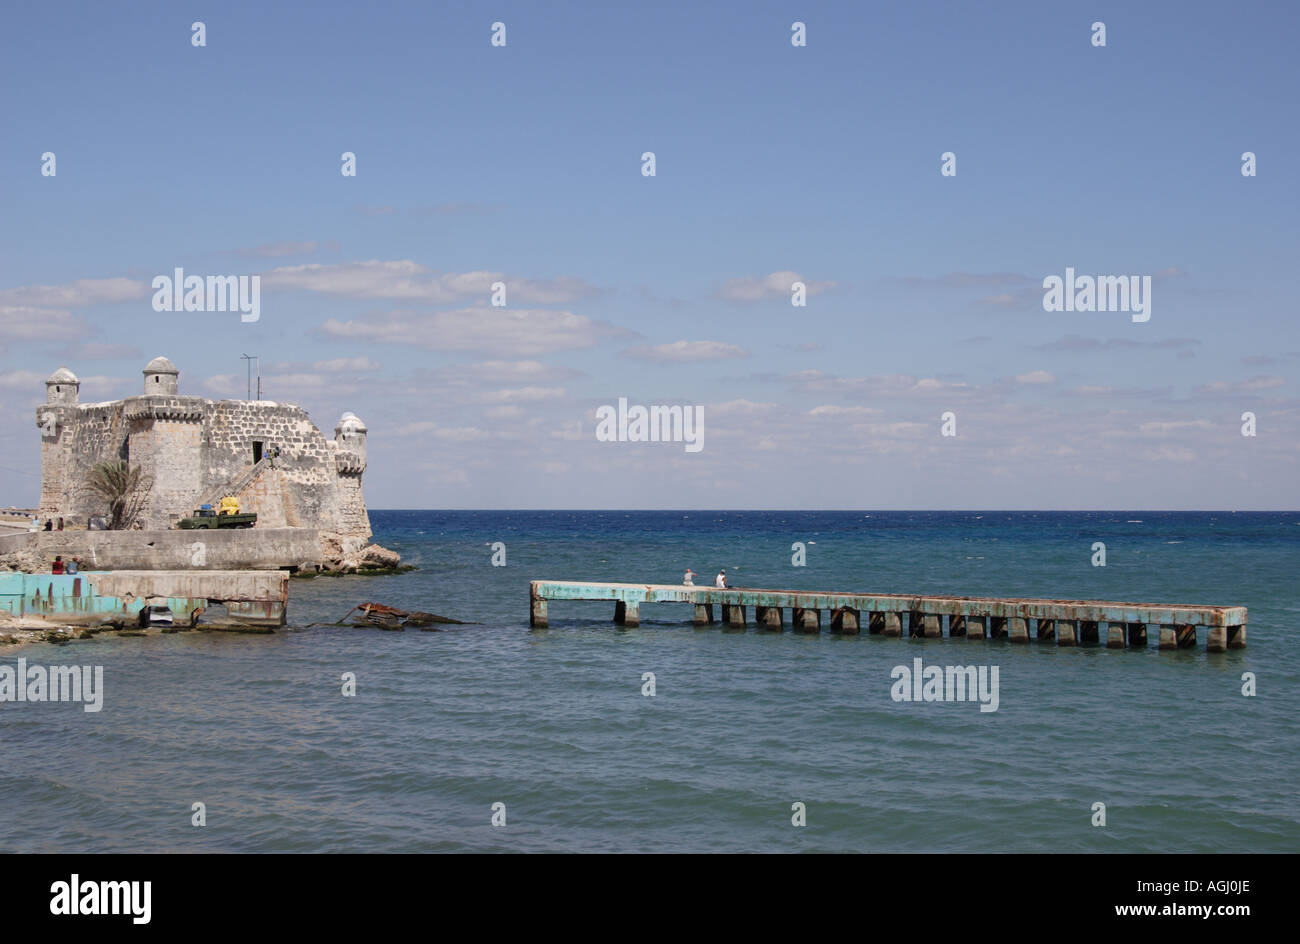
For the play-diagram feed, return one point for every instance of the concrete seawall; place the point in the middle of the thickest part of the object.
(234, 549)
(250, 598)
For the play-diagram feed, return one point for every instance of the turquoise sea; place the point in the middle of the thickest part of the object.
(553, 724)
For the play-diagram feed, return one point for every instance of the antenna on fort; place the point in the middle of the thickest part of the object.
(250, 358)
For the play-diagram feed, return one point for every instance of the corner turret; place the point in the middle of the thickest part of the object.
(161, 378)
(62, 388)
(350, 440)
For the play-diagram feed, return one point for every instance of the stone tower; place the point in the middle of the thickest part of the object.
(62, 388)
(350, 460)
(161, 378)
(165, 440)
(56, 422)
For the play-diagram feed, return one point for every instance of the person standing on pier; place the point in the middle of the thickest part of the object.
(689, 578)
(720, 581)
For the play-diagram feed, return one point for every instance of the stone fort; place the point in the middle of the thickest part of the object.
(269, 455)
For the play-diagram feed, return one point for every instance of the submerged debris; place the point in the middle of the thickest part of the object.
(390, 617)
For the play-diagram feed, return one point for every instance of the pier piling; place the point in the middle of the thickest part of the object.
(1018, 629)
(844, 620)
(807, 620)
(924, 624)
(537, 613)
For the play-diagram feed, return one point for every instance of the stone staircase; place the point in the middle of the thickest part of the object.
(238, 484)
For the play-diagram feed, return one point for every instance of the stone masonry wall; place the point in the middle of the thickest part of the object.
(170, 450)
(353, 519)
(305, 464)
(85, 435)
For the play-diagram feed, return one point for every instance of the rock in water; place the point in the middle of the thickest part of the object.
(376, 556)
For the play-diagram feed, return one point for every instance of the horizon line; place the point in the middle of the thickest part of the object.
(1198, 511)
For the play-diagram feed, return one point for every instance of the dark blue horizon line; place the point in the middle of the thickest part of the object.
(894, 511)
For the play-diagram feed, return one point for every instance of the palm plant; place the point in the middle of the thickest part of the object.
(123, 488)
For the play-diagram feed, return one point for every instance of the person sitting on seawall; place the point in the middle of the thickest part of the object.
(49, 524)
(58, 566)
(73, 566)
(720, 581)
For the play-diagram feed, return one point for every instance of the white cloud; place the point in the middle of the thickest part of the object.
(740, 408)
(1036, 377)
(1253, 385)
(523, 395)
(25, 323)
(410, 281)
(501, 331)
(685, 352)
(273, 250)
(844, 411)
(1173, 426)
(753, 288)
(28, 380)
(78, 294)
(348, 364)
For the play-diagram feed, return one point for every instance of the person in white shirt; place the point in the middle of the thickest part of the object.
(720, 581)
(689, 578)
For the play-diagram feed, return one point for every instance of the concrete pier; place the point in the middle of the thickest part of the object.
(1061, 622)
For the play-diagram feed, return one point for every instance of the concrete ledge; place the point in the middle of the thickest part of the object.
(250, 597)
(232, 549)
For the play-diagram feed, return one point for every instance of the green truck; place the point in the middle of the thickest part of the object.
(208, 517)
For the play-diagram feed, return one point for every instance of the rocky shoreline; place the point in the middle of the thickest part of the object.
(18, 632)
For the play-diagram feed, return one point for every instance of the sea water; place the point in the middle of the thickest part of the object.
(551, 733)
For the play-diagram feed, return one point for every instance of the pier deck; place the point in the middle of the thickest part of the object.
(1066, 622)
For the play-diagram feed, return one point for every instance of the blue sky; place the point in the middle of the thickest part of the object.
(524, 162)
